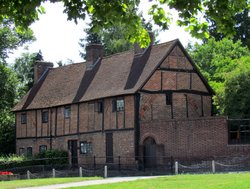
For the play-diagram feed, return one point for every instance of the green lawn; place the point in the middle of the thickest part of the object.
(41, 182)
(206, 181)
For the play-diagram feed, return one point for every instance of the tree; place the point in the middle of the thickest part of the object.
(193, 14)
(24, 69)
(11, 38)
(242, 28)
(236, 98)
(216, 60)
(113, 39)
(8, 83)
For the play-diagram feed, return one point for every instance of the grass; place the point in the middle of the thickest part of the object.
(206, 181)
(42, 182)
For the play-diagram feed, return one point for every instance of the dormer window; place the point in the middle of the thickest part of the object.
(23, 118)
(67, 112)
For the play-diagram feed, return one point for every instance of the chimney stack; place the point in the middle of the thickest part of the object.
(138, 49)
(39, 68)
(93, 52)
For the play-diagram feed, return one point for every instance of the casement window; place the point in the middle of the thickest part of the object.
(118, 105)
(42, 148)
(21, 151)
(99, 106)
(29, 152)
(168, 98)
(23, 118)
(67, 112)
(85, 147)
(45, 116)
(239, 131)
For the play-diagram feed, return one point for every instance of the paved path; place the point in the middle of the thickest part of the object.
(91, 182)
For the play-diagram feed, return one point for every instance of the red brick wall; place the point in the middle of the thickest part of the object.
(192, 138)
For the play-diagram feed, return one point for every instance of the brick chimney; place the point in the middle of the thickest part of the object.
(93, 52)
(138, 50)
(39, 68)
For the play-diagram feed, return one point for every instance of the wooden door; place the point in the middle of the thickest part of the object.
(150, 153)
(72, 145)
(109, 148)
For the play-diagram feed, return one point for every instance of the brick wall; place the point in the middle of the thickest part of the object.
(199, 138)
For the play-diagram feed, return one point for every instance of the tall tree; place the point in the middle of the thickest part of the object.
(8, 83)
(242, 28)
(24, 69)
(11, 38)
(236, 97)
(216, 60)
(193, 14)
(113, 39)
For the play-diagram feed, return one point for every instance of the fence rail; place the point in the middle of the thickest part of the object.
(129, 166)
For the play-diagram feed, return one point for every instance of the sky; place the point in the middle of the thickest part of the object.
(58, 39)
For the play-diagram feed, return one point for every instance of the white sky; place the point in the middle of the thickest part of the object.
(58, 38)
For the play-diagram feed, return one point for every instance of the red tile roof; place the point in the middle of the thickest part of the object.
(118, 74)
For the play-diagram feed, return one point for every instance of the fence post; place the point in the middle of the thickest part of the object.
(94, 162)
(213, 166)
(105, 171)
(176, 167)
(53, 173)
(28, 174)
(80, 171)
(172, 165)
(119, 163)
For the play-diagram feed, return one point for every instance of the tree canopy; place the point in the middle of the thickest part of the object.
(11, 38)
(113, 39)
(193, 14)
(218, 61)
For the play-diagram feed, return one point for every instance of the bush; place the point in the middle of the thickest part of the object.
(51, 157)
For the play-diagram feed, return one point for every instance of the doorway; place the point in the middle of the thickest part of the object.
(149, 152)
(109, 148)
(72, 146)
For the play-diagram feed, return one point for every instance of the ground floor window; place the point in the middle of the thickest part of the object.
(21, 151)
(85, 147)
(239, 131)
(29, 151)
(42, 148)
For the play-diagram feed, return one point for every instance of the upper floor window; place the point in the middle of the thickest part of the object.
(99, 106)
(45, 116)
(168, 98)
(85, 147)
(23, 118)
(67, 112)
(118, 105)
(42, 148)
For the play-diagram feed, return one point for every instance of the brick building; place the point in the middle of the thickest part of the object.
(140, 103)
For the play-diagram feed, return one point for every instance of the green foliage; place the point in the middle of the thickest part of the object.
(24, 69)
(8, 83)
(193, 14)
(11, 38)
(113, 39)
(236, 96)
(242, 28)
(218, 60)
(51, 157)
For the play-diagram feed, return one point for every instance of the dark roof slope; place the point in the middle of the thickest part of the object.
(119, 74)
